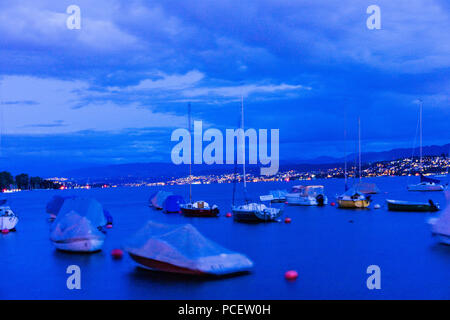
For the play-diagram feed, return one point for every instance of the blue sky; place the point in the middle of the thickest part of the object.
(113, 91)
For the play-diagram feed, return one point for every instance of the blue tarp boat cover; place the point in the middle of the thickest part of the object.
(277, 194)
(158, 199)
(172, 204)
(79, 218)
(184, 246)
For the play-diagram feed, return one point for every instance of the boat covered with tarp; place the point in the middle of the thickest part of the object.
(79, 225)
(157, 199)
(183, 249)
(441, 225)
(412, 206)
(366, 188)
(172, 204)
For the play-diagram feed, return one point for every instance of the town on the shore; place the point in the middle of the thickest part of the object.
(431, 165)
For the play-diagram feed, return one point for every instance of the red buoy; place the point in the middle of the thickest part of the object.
(5, 231)
(286, 202)
(333, 204)
(291, 275)
(109, 226)
(287, 220)
(228, 215)
(117, 253)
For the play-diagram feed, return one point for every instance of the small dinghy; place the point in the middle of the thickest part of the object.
(199, 209)
(8, 219)
(255, 212)
(411, 206)
(307, 196)
(79, 226)
(182, 249)
(440, 226)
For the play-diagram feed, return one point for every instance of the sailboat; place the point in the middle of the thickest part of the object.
(426, 183)
(251, 212)
(198, 208)
(352, 198)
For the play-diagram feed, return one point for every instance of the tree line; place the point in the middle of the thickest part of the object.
(24, 182)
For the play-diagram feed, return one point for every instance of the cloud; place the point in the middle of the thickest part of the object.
(56, 100)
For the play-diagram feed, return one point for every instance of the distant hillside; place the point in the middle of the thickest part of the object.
(164, 171)
(384, 155)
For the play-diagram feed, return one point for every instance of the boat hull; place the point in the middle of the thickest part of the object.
(156, 265)
(80, 245)
(419, 207)
(196, 212)
(353, 204)
(250, 216)
(8, 222)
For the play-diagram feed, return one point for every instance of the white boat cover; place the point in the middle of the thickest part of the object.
(184, 246)
(79, 218)
(442, 224)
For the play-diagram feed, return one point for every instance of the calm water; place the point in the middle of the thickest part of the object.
(329, 252)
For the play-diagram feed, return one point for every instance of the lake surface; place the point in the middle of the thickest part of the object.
(330, 248)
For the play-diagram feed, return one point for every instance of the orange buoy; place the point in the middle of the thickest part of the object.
(333, 204)
(291, 275)
(287, 220)
(117, 253)
(228, 215)
(109, 226)
(5, 231)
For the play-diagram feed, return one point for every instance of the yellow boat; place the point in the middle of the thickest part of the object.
(353, 204)
(352, 199)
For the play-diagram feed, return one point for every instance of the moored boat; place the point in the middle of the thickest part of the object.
(307, 196)
(199, 209)
(398, 205)
(79, 226)
(352, 199)
(8, 219)
(249, 211)
(440, 226)
(426, 184)
(255, 212)
(183, 249)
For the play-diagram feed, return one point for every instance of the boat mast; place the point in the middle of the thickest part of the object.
(190, 158)
(243, 143)
(359, 146)
(345, 150)
(421, 132)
